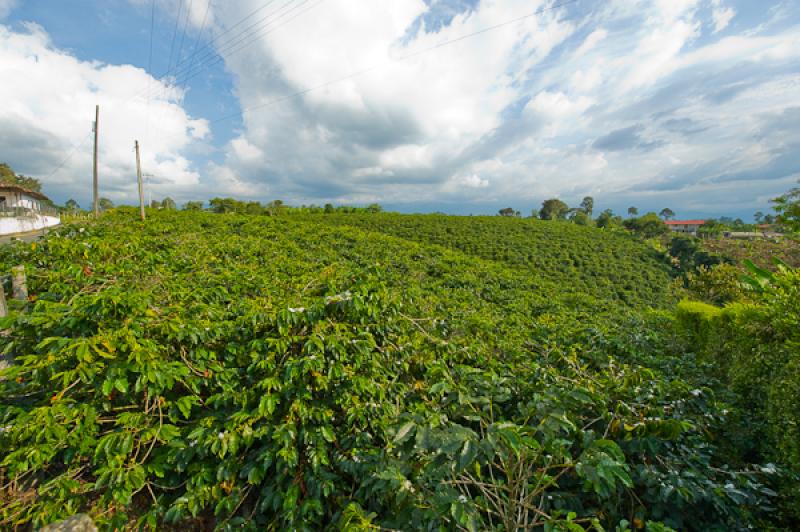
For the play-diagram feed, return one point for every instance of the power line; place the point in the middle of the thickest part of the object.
(396, 60)
(183, 35)
(174, 36)
(150, 64)
(178, 72)
(200, 33)
(210, 44)
(69, 155)
(239, 42)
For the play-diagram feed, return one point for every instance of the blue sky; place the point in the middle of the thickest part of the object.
(690, 104)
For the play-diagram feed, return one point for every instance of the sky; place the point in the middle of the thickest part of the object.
(459, 106)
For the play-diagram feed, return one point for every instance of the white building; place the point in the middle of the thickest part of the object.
(21, 210)
(685, 226)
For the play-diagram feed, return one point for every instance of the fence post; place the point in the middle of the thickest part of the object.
(3, 305)
(19, 283)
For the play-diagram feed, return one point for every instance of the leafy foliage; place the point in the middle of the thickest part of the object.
(296, 372)
(9, 177)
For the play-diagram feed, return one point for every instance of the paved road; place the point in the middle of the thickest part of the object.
(25, 237)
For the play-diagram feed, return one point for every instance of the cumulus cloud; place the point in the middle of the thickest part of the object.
(47, 116)
(348, 101)
(625, 98)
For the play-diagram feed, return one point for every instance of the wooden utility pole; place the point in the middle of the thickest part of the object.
(139, 178)
(96, 133)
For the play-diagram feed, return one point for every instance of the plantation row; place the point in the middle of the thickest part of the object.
(605, 265)
(227, 371)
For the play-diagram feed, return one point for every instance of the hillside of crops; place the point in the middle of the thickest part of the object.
(603, 264)
(222, 371)
(761, 251)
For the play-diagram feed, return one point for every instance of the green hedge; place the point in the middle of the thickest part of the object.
(755, 349)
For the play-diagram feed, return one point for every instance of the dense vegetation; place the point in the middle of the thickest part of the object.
(575, 259)
(363, 372)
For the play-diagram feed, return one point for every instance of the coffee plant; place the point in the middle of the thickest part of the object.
(224, 371)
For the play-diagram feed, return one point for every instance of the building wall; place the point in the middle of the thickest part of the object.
(685, 228)
(22, 224)
(16, 199)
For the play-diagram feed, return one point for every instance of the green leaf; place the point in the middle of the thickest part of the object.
(405, 432)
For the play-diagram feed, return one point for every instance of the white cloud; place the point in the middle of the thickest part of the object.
(721, 16)
(51, 109)
(511, 115)
(591, 41)
(6, 6)
(408, 117)
(471, 181)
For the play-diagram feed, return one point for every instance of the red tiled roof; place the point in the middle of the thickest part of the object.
(17, 188)
(685, 222)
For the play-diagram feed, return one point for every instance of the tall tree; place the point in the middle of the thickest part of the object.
(788, 208)
(105, 204)
(553, 209)
(587, 205)
(608, 219)
(72, 206)
(647, 226)
(758, 217)
(9, 177)
(508, 211)
(633, 211)
(580, 217)
(168, 203)
(667, 213)
(193, 206)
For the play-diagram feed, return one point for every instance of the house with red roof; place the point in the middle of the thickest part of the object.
(685, 226)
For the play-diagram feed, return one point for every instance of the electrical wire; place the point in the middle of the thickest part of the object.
(69, 155)
(238, 42)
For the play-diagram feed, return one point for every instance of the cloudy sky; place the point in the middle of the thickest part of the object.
(462, 106)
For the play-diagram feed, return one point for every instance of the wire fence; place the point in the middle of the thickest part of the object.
(7, 211)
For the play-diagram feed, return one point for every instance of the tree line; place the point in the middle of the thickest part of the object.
(786, 217)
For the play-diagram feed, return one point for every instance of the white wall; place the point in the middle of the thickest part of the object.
(23, 224)
(16, 199)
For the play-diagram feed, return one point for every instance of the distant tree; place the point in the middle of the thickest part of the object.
(758, 217)
(534, 213)
(608, 220)
(329, 208)
(580, 217)
(155, 204)
(274, 207)
(105, 204)
(633, 211)
(168, 203)
(193, 206)
(507, 211)
(9, 177)
(587, 205)
(374, 207)
(253, 207)
(648, 226)
(553, 209)
(72, 206)
(223, 205)
(690, 254)
(769, 219)
(666, 213)
(788, 208)
(712, 228)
